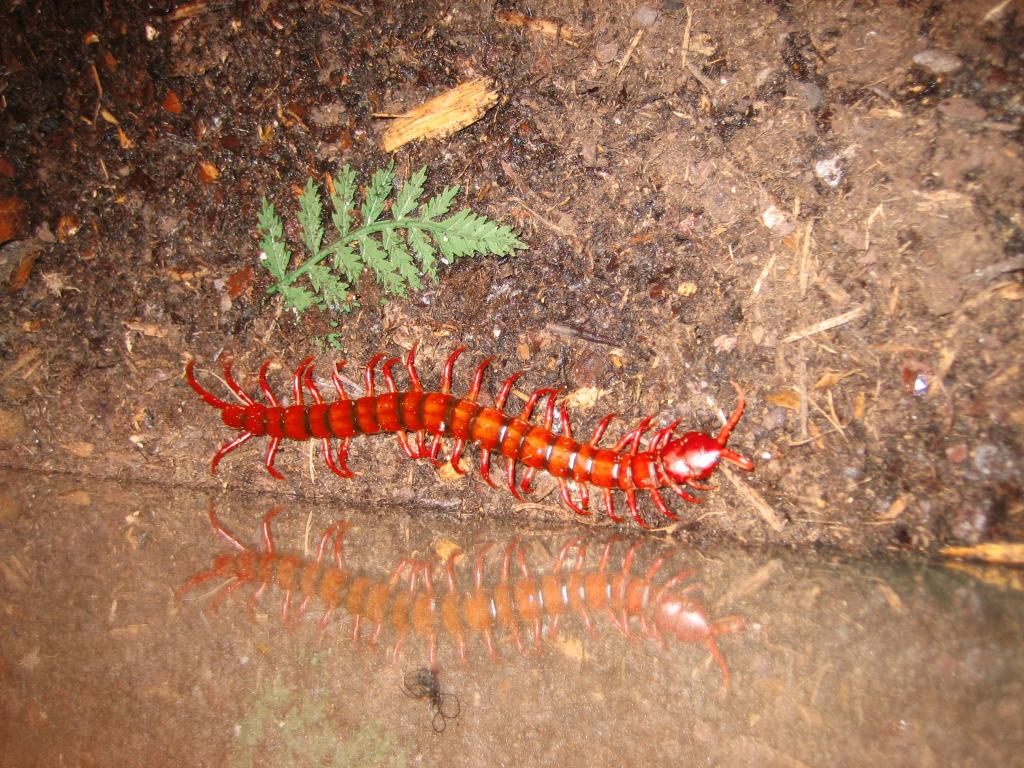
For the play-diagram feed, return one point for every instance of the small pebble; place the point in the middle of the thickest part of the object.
(645, 15)
(938, 62)
(830, 171)
(606, 52)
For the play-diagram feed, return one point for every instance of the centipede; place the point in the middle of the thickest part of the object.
(678, 463)
(426, 599)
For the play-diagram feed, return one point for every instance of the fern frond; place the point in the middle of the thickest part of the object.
(399, 250)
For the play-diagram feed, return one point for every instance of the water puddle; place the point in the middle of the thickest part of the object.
(581, 648)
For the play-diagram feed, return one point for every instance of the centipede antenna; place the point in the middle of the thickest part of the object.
(734, 418)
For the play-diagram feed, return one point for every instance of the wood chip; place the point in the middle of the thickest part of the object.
(545, 27)
(1005, 553)
(443, 115)
(830, 379)
(897, 508)
(827, 324)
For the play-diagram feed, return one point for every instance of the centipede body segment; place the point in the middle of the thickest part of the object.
(422, 419)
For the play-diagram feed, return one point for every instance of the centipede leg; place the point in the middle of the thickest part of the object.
(446, 388)
(228, 448)
(318, 399)
(528, 475)
(337, 528)
(678, 491)
(478, 580)
(268, 461)
(661, 506)
(618, 597)
(225, 593)
(416, 386)
(474, 392)
(234, 387)
(531, 589)
(556, 567)
(368, 374)
(549, 419)
(457, 447)
(389, 380)
(609, 505)
(505, 589)
(567, 497)
(485, 466)
(195, 581)
(716, 654)
(456, 629)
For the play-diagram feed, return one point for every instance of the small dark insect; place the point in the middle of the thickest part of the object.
(423, 684)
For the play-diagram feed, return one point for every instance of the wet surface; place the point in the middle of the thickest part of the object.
(830, 662)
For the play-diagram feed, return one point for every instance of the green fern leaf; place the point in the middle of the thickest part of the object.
(274, 255)
(346, 260)
(409, 194)
(377, 193)
(440, 204)
(424, 252)
(399, 250)
(311, 209)
(343, 199)
(399, 257)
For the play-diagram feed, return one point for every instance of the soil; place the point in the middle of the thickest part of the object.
(874, 326)
(820, 202)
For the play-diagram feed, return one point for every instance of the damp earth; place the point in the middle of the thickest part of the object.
(820, 202)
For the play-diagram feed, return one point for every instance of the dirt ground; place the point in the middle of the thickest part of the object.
(821, 202)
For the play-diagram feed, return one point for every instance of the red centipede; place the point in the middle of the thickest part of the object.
(519, 602)
(667, 462)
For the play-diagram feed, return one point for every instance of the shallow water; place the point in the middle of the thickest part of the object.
(836, 662)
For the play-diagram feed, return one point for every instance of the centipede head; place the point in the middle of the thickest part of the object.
(695, 456)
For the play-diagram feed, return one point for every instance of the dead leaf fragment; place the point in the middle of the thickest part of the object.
(585, 398)
(240, 282)
(81, 449)
(67, 227)
(24, 270)
(171, 103)
(76, 498)
(12, 218)
(546, 27)
(153, 330)
(830, 379)
(786, 398)
(208, 172)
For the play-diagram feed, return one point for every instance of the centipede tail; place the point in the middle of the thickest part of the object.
(422, 420)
